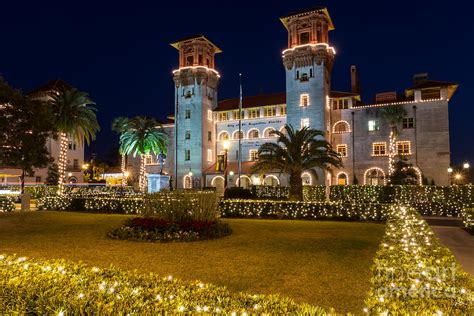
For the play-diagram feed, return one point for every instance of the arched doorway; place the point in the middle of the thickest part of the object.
(374, 176)
(306, 178)
(271, 180)
(187, 182)
(244, 182)
(218, 183)
(342, 178)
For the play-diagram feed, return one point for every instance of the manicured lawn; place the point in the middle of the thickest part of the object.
(323, 263)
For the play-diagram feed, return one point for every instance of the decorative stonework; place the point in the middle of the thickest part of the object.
(307, 55)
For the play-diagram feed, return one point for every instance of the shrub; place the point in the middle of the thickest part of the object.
(303, 210)
(468, 219)
(239, 193)
(310, 193)
(6, 205)
(60, 287)
(414, 274)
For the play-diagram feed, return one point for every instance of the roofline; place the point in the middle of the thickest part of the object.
(176, 44)
(284, 19)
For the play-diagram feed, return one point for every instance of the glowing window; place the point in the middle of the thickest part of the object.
(379, 149)
(304, 122)
(342, 150)
(253, 154)
(373, 125)
(404, 148)
(304, 99)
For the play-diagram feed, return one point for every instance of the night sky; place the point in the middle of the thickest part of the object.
(120, 52)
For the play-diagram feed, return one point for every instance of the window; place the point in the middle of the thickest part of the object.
(304, 99)
(427, 94)
(209, 136)
(379, 149)
(38, 179)
(341, 127)
(236, 116)
(253, 133)
(404, 148)
(304, 122)
(75, 164)
(187, 135)
(209, 155)
(282, 109)
(187, 155)
(236, 135)
(70, 146)
(254, 113)
(408, 122)
(340, 104)
(209, 115)
(148, 159)
(224, 136)
(304, 38)
(236, 155)
(253, 154)
(224, 116)
(270, 111)
(342, 150)
(187, 114)
(189, 60)
(73, 146)
(200, 59)
(267, 132)
(374, 125)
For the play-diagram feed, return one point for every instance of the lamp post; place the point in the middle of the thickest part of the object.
(450, 170)
(466, 167)
(226, 151)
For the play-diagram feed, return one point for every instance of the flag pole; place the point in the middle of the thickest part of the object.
(240, 130)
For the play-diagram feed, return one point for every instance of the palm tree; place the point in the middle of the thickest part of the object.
(119, 125)
(74, 116)
(393, 114)
(296, 152)
(141, 135)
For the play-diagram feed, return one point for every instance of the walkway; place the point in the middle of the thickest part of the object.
(452, 235)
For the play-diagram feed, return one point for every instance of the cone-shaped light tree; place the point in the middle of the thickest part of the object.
(295, 152)
(74, 116)
(392, 114)
(142, 136)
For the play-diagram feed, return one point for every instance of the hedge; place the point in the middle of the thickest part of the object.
(414, 274)
(468, 219)
(6, 205)
(60, 287)
(123, 205)
(303, 210)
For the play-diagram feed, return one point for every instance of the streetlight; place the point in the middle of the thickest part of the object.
(226, 151)
(450, 170)
(466, 165)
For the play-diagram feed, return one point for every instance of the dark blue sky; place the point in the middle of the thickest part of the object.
(120, 53)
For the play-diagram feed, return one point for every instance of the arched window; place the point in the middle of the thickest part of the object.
(306, 178)
(267, 132)
(374, 176)
(341, 127)
(235, 135)
(283, 130)
(271, 180)
(253, 133)
(342, 178)
(218, 183)
(223, 136)
(244, 182)
(187, 182)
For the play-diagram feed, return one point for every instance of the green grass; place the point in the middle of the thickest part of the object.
(322, 263)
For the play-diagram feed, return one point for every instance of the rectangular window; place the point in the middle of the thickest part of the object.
(187, 155)
(304, 38)
(38, 179)
(408, 122)
(236, 116)
(224, 116)
(270, 111)
(253, 154)
(236, 155)
(373, 125)
(379, 149)
(254, 113)
(70, 146)
(148, 159)
(304, 99)
(282, 109)
(340, 104)
(209, 155)
(342, 150)
(209, 115)
(75, 164)
(404, 148)
(189, 60)
(187, 114)
(304, 122)
(209, 136)
(187, 135)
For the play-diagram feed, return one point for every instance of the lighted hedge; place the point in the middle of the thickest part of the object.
(102, 204)
(6, 205)
(468, 219)
(310, 193)
(303, 210)
(413, 273)
(59, 287)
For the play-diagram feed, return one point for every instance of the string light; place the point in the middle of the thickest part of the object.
(62, 161)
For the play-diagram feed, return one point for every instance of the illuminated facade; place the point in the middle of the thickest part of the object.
(354, 128)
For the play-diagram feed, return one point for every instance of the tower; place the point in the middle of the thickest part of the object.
(308, 64)
(196, 83)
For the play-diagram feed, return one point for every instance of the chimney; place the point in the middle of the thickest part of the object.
(419, 78)
(355, 87)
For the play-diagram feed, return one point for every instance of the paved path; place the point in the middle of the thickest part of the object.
(460, 242)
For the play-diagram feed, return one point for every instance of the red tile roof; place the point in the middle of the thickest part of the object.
(432, 84)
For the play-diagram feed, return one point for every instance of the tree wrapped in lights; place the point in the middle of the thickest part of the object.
(142, 136)
(74, 116)
(393, 114)
(295, 152)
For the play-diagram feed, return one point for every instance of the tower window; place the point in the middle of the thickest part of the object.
(254, 113)
(253, 154)
(209, 136)
(342, 150)
(297, 74)
(311, 73)
(209, 155)
(340, 104)
(187, 135)
(209, 115)
(408, 122)
(187, 155)
(304, 99)
(189, 60)
(187, 114)
(379, 149)
(200, 60)
(304, 38)
(304, 122)
(373, 125)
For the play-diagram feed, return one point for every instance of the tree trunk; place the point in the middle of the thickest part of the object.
(296, 187)
(22, 182)
(124, 166)
(392, 150)
(142, 180)
(62, 161)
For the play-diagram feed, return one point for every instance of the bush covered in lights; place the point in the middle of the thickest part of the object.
(310, 193)
(303, 210)
(99, 204)
(59, 287)
(414, 274)
(468, 219)
(6, 205)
